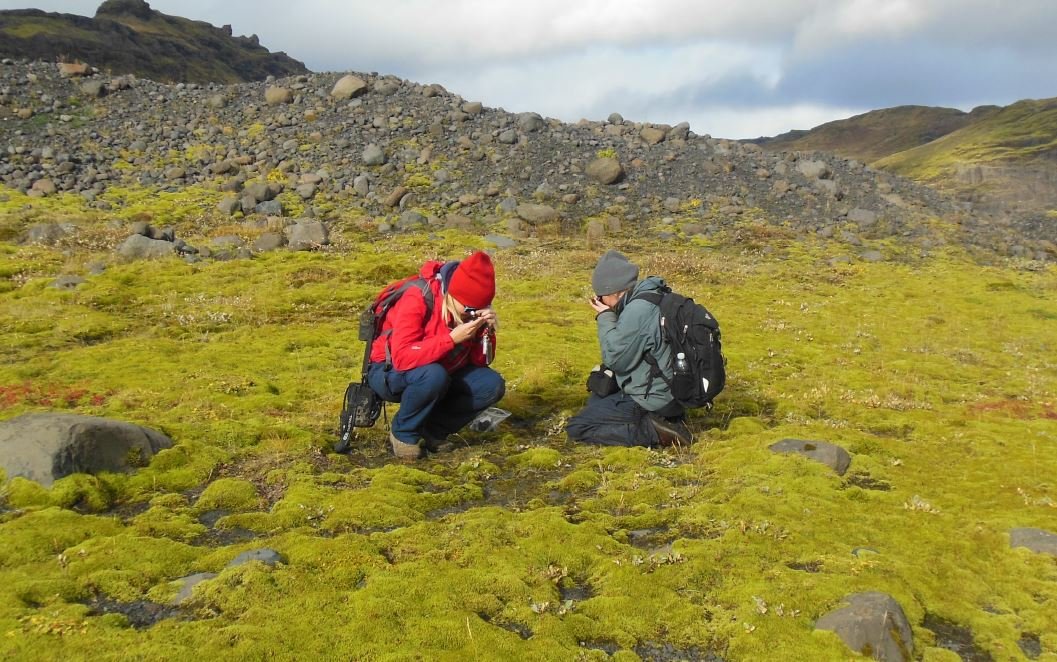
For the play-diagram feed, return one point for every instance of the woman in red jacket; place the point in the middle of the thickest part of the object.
(433, 353)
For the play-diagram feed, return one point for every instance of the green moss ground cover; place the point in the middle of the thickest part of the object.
(937, 374)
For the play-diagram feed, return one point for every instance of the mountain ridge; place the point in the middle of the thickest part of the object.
(128, 37)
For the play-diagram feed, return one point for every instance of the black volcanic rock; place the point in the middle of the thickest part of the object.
(128, 37)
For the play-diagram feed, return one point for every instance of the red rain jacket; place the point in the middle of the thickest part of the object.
(415, 340)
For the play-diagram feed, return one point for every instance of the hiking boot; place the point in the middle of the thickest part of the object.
(436, 444)
(403, 450)
(671, 433)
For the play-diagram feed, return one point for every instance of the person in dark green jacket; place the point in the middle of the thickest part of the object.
(640, 411)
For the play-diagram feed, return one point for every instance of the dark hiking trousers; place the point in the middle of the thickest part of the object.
(616, 420)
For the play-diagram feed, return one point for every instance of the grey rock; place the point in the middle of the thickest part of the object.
(269, 208)
(508, 137)
(872, 256)
(605, 170)
(536, 214)
(138, 247)
(227, 241)
(167, 233)
(229, 205)
(615, 118)
(373, 155)
(67, 282)
(813, 169)
(45, 233)
(472, 107)
(1037, 540)
(189, 582)
(269, 241)
(410, 219)
(306, 235)
(306, 191)
(259, 191)
(862, 217)
(679, 132)
(386, 88)
(500, 241)
(264, 555)
(275, 95)
(93, 89)
(652, 135)
(348, 87)
(46, 447)
(529, 122)
(362, 185)
(508, 205)
(829, 454)
(872, 624)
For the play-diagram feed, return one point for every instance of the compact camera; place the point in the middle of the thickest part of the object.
(471, 313)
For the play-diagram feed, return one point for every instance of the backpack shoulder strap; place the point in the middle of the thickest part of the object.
(418, 282)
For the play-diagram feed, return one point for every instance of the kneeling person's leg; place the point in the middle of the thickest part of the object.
(422, 389)
(615, 420)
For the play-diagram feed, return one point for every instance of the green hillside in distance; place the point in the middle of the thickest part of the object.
(878, 133)
(128, 37)
(1011, 155)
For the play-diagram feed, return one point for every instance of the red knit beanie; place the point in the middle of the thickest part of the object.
(473, 283)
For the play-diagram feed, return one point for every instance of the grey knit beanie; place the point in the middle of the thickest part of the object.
(613, 273)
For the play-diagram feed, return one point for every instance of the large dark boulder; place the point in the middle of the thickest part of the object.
(829, 454)
(872, 624)
(46, 447)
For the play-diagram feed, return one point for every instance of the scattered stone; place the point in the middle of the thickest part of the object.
(536, 214)
(862, 217)
(266, 556)
(829, 454)
(72, 69)
(651, 135)
(500, 241)
(45, 233)
(872, 256)
(269, 208)
(229, 205)
(306, 235)
(138, 247)
(188, 584)
(813, 169)
(44, 187)
(508, 137)
(394, 198)
(605, 170)
(1037, 540)
(46, 447)
(410, 219)
(269, 241)
(529, 122)
(348, 87)
(872, 624)
(67, 282)
(373, 155)
(275, 96)
(93, 89)
(472, 107)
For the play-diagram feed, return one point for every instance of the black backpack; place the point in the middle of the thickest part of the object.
(361, 406)
(692, 331)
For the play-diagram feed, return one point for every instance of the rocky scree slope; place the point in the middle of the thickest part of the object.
(412, 154)
(128, 37)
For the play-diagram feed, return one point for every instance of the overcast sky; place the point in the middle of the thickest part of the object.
(732, 68)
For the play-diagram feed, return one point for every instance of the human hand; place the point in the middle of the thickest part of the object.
(598, 306)
(489, 317)
(466, 330)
